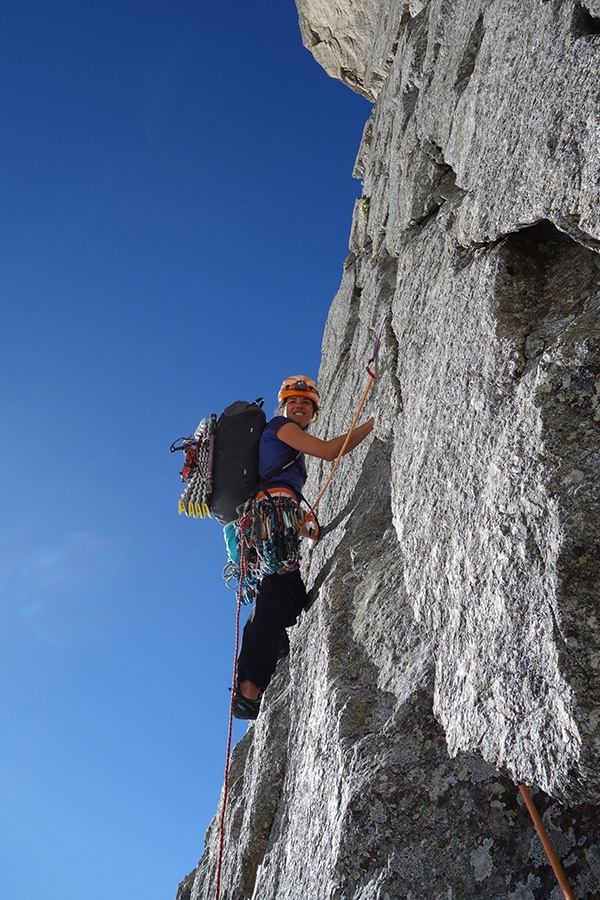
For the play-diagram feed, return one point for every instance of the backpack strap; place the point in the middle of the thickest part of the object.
(277, 470)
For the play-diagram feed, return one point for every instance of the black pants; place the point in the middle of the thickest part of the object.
(279, 602)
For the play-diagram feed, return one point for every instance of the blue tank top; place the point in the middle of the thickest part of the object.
(272, 453)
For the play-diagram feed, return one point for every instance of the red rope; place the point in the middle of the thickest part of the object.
(229, 732)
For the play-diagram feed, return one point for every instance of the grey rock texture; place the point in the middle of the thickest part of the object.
(452, 649)
(355, 42)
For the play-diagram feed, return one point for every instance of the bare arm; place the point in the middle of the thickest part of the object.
(292, 434)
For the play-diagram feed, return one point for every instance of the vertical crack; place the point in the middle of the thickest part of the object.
(466, 65)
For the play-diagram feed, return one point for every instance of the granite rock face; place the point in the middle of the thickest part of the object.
(452, 648)
(355, 42)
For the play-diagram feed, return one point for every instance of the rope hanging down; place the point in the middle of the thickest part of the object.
(546, 844)
(371, 375)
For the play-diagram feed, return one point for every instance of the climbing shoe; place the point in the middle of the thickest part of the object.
(244, 708)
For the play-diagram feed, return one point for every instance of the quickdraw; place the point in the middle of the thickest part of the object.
(198, 451)
(265, 540)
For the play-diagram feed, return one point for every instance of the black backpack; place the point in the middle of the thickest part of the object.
(221, 462)
(235, 465)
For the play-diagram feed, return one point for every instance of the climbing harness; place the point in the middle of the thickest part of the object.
(198, 452)
(275, 531)
(265, 540)
(371, 375)
(546, 844)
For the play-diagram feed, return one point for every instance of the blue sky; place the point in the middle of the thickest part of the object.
(175, 200)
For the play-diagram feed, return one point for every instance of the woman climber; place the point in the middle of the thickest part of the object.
(281, 597)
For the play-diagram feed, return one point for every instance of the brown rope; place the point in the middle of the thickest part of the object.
(371, 375)
(345, 444)
(550, 852)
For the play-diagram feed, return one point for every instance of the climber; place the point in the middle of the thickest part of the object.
(282, 597)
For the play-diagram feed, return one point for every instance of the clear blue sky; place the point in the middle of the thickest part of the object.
(175, 196)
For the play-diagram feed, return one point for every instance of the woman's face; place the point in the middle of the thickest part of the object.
(299, 410)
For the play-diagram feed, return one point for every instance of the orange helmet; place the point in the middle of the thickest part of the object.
(299, 386)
